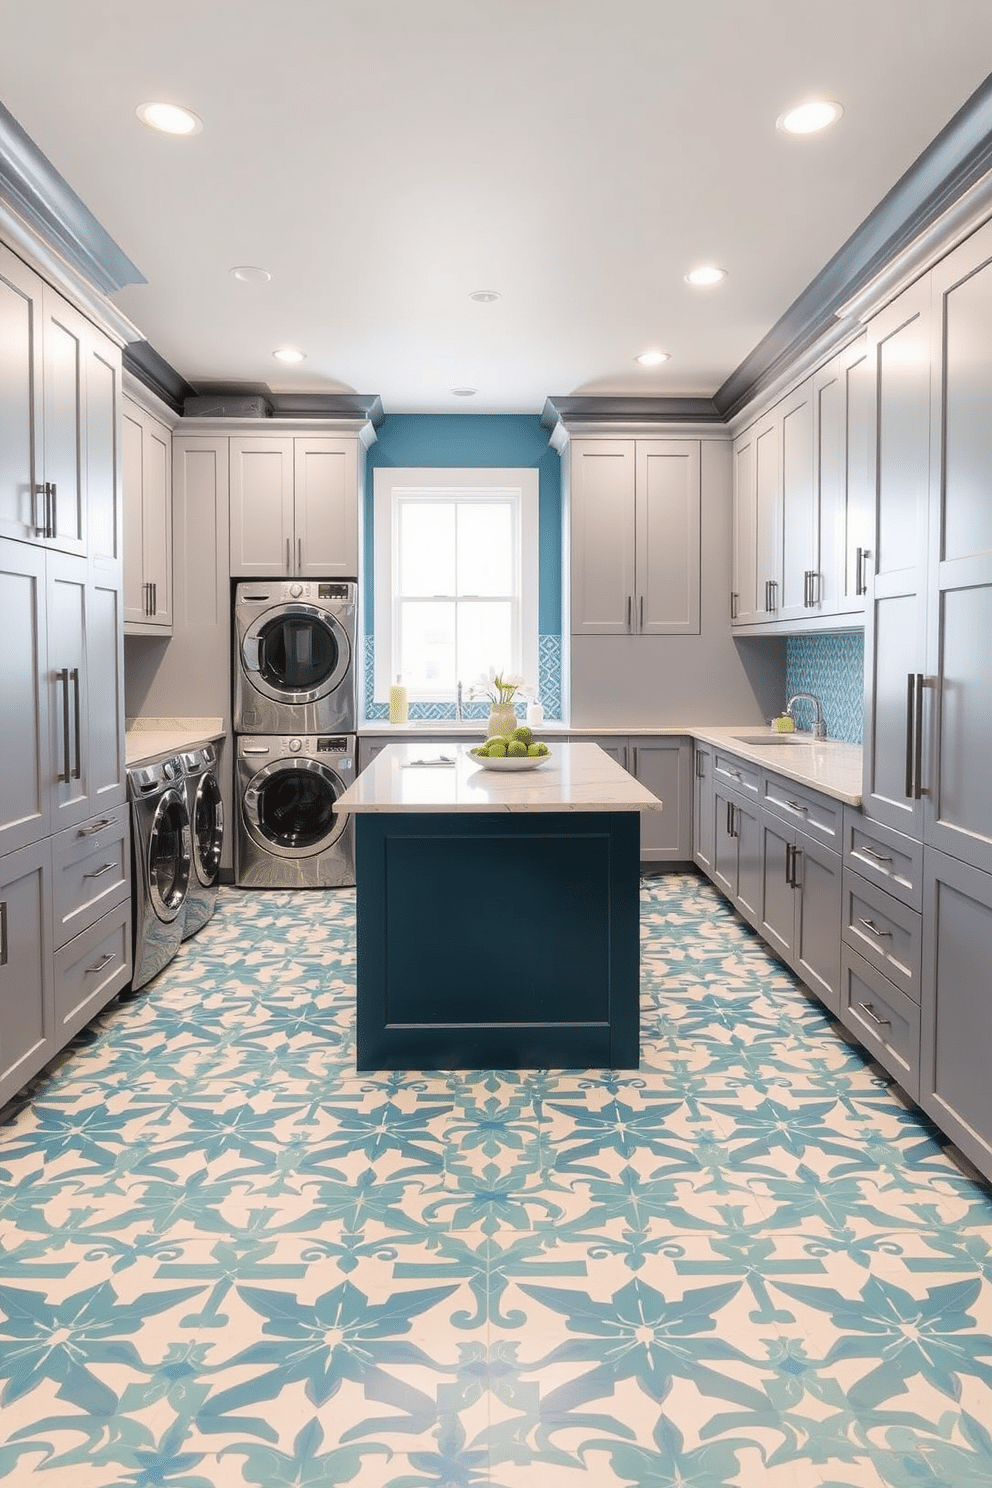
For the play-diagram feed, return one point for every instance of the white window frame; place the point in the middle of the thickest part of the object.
(392, 485)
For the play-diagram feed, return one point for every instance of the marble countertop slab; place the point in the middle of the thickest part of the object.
(826, 765)
(575, 777)
(148, 739)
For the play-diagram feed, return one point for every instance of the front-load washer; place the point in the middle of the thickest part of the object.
(289, 833)
(294, 656)
(160, 838)
(206, 824)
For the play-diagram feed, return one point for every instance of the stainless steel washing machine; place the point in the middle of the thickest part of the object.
(294, 656)
(162, 855)
(289, 832)
(206, 822)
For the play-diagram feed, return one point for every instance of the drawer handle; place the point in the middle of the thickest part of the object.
(94, 827)
(881, 1022)
(870, 925)
(736, 774)
(871, 853)
(3, 932)
(104, 960)
(98, 872)
(798, 806)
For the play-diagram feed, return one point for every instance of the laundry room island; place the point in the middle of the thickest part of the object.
(497, 911)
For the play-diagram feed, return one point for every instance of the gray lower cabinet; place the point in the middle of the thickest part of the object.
(882, 1018)
(703, 815)
(662, 763)
(800, 904)
(956, 1004)
(737, 850)
(27, 1005)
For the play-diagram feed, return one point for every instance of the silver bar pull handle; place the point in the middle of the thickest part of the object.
(77, 715)
(641, 621)
(99, 872)
(700, 772)
(870, 925)
(40, 528)
(872, 852)
(104, 960)
(910, 732)
(3, 932)
(797, 853)
(94, 827)
(634, 771)
(630, 607)
(53, 519)
(289, 561)
(866, 1007)
(918, 740)
(299, 555)
(65, 775)
(733, 604)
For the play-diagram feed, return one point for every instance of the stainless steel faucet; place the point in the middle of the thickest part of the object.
(458, 703)
(819, 727)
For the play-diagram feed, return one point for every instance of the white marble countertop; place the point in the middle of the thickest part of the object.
(826, 765)
(148, 739)
(575, 777)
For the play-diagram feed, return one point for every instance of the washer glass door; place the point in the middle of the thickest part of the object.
(169, 856)
(296, 653)
(207, 829)
(291, 807)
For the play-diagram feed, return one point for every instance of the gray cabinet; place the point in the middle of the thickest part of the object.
(956, 1025)
(635, 536)
(147, 465)
(737, 850)
(844, 421)
(664, 765)
(800, 906)
(703, 816)
(294, 506)
(27, 1007)
(882, 1018)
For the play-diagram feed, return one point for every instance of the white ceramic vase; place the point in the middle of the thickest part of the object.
(502, 720)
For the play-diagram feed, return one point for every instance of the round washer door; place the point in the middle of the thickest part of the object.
(207, 829)
(169, 856)
(290, 807)
(295, 653)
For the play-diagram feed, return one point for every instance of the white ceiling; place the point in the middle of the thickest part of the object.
(383, 161)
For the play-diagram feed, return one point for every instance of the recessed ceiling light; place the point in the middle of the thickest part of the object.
(652, 358)
(807, 118)
(289, 354)
(485, 296)
(464, 392)
(705, 275)
(249, 274)
(169, 118)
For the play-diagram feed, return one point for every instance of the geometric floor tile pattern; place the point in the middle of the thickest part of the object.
(227, 1259)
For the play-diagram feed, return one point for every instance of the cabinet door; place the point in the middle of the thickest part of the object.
(800, 516)
(21, 506)
(777, 920)
(104, 651)
(132, 455)
(845, 427)
(666, 580)
(816, 955)
(602, 536)
(24, 799)
(747, 827)
(68, 690)
(156, 521)
(65, 337)
(326, 475)
(103, 457)
(958, 796)
(27, 1012)
(664, 766)
(263, 532)
(899, 341)
(956, 1010)
(725, 841)
(768, 515)
(743, 601)
(703, 818)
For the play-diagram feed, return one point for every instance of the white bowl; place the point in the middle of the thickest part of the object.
(515, 762)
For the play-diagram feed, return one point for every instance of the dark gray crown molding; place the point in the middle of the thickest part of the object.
(155, 373)
(31, 185)
(598, 408)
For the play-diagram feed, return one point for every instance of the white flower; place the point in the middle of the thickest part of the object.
(498, 687)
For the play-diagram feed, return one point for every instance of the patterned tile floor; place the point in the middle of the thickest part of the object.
(228, 1259)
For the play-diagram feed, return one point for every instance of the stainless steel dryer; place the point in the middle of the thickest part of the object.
(206, 821)
(294, 656)
(161, 844)
(289, 832)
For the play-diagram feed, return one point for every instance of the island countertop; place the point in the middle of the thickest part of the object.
(576, 777)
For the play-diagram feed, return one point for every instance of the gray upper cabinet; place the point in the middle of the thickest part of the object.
(635, 536)
(899, 342)
(744, 595)
(956, 726)
(294, 506)
(147, 462)
(845, 427)
(800, 569)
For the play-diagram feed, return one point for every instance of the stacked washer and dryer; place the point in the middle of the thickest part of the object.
(294, 724)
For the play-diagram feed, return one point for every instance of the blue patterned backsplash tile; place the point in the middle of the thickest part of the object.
(832, 666)
(548, 689)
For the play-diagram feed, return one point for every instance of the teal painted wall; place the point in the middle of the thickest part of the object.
(484, 441)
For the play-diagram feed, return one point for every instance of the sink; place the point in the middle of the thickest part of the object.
(769, 740)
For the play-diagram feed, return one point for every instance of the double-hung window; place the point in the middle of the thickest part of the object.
(456, 578)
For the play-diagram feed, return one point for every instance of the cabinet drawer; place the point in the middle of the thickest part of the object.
(91, 969)
(884, 856)
(818, 816)
(884, 1019)
(737, 773)
(92, 871)
(886, 932)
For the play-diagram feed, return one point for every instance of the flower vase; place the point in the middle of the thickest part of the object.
(502, 720)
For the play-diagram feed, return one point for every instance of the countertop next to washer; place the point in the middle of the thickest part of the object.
(149, 739)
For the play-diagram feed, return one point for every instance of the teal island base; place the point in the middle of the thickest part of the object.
(498, 940)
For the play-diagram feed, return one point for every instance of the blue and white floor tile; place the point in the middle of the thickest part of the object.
(228, 1259)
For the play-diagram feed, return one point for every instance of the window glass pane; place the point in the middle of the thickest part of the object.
(485, 639)
(427, 645)
(485, 548)
(427, 548)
